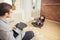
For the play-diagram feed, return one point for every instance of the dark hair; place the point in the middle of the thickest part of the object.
(4, 8)
(43, 16)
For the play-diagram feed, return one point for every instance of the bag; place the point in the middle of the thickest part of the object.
(21, 25)
(15, 34)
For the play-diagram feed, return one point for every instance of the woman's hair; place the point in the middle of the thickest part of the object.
(4, 8)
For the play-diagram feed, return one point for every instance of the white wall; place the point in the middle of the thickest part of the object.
(8, 1)
(38, 7)
(1, 1)
(26, 5)
(28, 9)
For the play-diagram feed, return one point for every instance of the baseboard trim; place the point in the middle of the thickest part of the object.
(53, 21)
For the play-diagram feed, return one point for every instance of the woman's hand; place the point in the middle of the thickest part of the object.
(14, 27)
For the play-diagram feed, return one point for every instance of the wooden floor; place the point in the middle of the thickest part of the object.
(50, 31)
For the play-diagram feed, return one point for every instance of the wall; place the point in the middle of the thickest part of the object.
(26, 6)
(8, 1)
(1, 1)
(51, 9)
(36, 12)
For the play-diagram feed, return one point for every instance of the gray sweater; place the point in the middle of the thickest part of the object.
(6, 32)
